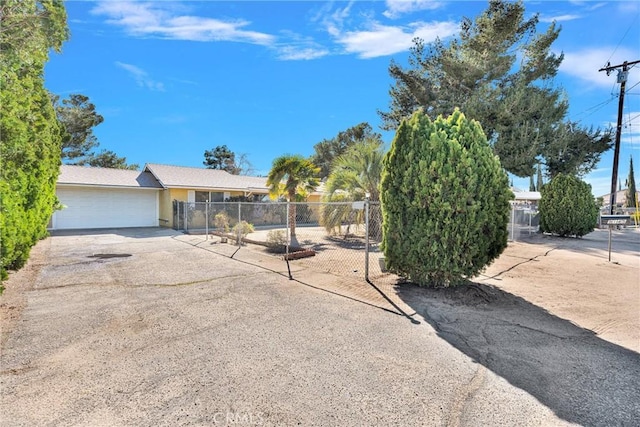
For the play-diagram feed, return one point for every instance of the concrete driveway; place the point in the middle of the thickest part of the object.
(148, 327)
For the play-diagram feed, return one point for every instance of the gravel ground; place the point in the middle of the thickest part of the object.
(149, 327)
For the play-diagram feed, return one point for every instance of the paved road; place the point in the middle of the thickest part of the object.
(144, 328)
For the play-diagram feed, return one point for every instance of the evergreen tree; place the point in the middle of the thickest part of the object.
(328, 150)
(574, 150)
(31, 134)
(445, 201)
(221, 158)
(499, 71)
(78, 117)
(632, 194)
(532, 185)
(108, 159)
(567, 207)
(540, 181)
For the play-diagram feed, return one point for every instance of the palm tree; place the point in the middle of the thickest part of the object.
(289, 176)
(358, 171)
(354, 174)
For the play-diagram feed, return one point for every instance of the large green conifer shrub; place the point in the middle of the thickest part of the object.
(31, 134)
(445, 201)
(567, 207)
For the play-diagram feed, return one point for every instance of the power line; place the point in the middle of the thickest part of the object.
(595, 108)
(623, 37)
(631, 119)
(638, 83)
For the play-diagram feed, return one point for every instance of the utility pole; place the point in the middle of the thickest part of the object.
(622, 79)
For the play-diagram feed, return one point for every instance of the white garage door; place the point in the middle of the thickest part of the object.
(106, 208)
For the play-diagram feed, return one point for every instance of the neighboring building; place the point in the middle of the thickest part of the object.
(526, 197)
(621, 198)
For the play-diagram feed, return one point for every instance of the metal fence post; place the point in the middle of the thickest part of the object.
(239, 225)
(206, 220)
(513, 222)
(287, 231)
(186, 218)
(366, 232)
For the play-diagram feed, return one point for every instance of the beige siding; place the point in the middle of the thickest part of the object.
(166, 204)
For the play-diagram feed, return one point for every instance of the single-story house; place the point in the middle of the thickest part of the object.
(189, 184)
(109, 198)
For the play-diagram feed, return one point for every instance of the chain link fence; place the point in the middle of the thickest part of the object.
(524, 221)
(328, 237)
(342, 238)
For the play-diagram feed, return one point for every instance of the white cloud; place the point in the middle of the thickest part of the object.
(335, 21)
(163, 19)
(141, 77)
(382, 40)
(298, 47)
(297, 53)
(559, 18)
(584, 65)
(395, 8)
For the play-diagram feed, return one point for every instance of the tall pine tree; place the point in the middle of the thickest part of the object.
(632, 193)
(499, 71)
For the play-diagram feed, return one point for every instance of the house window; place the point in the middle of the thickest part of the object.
(216, 197)
(213, 196)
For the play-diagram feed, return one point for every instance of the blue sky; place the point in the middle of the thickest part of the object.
(266, 78)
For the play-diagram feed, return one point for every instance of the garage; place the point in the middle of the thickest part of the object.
(105, 198)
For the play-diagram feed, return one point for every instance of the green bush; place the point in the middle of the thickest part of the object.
(567, 207)
(445, 201)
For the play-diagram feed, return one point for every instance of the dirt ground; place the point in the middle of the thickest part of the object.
(111, 331)
(573, 279)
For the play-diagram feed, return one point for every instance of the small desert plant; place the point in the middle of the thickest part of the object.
(276, 241)
(221, 221)
(243, 228)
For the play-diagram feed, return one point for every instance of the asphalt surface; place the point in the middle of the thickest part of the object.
(144, 328)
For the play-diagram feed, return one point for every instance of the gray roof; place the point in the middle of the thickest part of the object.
(188, 177)
(105, 177)
(527, 195)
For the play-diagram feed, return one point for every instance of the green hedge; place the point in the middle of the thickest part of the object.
(31, 134)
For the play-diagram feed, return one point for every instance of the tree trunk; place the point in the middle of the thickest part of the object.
(292, 215)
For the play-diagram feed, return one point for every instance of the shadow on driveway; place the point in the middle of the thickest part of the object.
(582, 378)
(133, 232)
